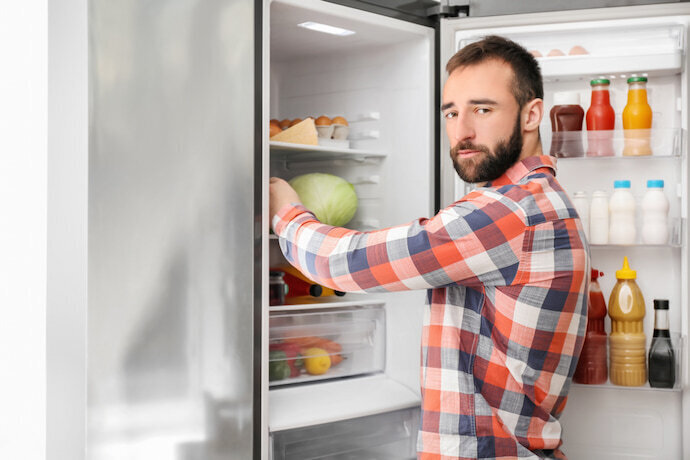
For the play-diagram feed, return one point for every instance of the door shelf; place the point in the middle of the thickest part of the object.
(678, 346)
(316, 345)
(585, 67)
(675, 238)
(285, 151)
(663, 143)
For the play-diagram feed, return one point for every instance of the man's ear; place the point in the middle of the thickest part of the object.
(532, 113)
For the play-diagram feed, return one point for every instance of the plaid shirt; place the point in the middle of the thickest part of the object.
(506, 271)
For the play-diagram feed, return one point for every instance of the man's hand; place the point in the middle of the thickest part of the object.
(280, 194)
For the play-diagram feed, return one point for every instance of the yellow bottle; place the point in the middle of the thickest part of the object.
(627, 354)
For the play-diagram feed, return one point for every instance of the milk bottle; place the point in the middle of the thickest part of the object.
(622, 214)
(655, 214)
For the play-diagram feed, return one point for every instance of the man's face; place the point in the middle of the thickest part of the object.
(482, 120)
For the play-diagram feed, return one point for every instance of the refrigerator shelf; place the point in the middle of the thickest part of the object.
(330, 302)
(286, 151)
(314, 404)
(588, 66)
(645, 387)
(663, 143)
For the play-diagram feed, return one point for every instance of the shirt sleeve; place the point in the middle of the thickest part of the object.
(477, 240)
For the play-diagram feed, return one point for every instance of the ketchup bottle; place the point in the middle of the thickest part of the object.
(566, 125)
(591, 368)
(601, 120)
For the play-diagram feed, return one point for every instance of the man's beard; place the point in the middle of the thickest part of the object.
(488, 166)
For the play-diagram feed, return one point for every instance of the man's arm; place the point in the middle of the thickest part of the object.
(476, 241)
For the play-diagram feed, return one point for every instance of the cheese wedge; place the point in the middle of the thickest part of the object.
(303, 132)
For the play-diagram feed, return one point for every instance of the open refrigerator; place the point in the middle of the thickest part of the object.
(159, 249)
(382, 80)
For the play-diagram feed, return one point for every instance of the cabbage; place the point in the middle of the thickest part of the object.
(331, 198)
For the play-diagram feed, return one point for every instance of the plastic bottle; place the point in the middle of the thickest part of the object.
(627, 341)
(622, 214)
(591, 367)
(566, 125)
(601, 120)
(637, 119)
(276, 288)
(599, 218)
(655, 214)
(581, 203)
(662, 362)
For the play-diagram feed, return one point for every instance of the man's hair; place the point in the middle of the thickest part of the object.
(527, 82)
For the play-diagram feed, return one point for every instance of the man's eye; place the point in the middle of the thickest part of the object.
(450, 115)
(483, 110)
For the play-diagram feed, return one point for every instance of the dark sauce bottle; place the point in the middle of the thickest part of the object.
(662, 363)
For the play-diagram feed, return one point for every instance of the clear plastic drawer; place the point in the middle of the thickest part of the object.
(323, 344)
(392, 435)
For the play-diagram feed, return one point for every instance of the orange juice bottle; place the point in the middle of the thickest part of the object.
(628, 363)
(637, 119)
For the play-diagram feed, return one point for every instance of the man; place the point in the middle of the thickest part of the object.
(506, 267)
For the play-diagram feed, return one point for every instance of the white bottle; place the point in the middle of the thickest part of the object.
(655, 214)
(581, 203)
(599, 218)
(622, 214)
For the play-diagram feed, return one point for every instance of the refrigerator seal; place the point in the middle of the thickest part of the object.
(257, 374)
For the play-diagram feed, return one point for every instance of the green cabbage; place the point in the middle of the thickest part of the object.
(331, 198)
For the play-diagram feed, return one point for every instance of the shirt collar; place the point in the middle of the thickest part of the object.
(523, 167)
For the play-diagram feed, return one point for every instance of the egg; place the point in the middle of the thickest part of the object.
(323, 121)
(577, 49)
(275, 129)
(339, 121)
(284, 124)
(556, 52)
(535, 53)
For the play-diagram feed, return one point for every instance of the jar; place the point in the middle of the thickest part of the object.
(276, 288)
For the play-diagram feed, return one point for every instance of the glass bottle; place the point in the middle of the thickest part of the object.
(662, 363)
(601, 120)
(637, 119)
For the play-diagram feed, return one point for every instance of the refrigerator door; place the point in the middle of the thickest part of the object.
(172, 231)
(608, 421)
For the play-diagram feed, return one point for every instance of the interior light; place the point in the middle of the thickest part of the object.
(325, 28)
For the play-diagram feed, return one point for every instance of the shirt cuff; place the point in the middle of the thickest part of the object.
(285, 215)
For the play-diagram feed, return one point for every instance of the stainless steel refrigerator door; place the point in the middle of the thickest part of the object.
(171, 230)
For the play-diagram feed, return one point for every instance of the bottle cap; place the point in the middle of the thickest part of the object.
(276, 274)
(315, 290)
(626, 273)
(596, 274)
(661, 304)
(636, 79)
(600, 81)
(655, 184)
(621, 184)
(566, 98)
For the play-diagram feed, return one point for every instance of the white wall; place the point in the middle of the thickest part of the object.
(23, 208)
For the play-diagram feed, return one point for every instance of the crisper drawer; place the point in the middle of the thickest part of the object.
(392, 435)
(323, 344)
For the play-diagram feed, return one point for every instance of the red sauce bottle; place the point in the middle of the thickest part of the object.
(601, 120)
(566, 125)
(592, 368)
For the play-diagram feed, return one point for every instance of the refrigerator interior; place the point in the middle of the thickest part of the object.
(381, 80)
(608, 421)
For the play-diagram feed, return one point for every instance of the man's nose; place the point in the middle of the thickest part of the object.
(464, 131)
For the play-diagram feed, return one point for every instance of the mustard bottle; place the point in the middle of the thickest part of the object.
(627, 357)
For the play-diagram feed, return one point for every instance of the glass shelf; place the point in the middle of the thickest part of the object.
(285, 151)
(645, 387)
(584, 67)
(660, 142)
